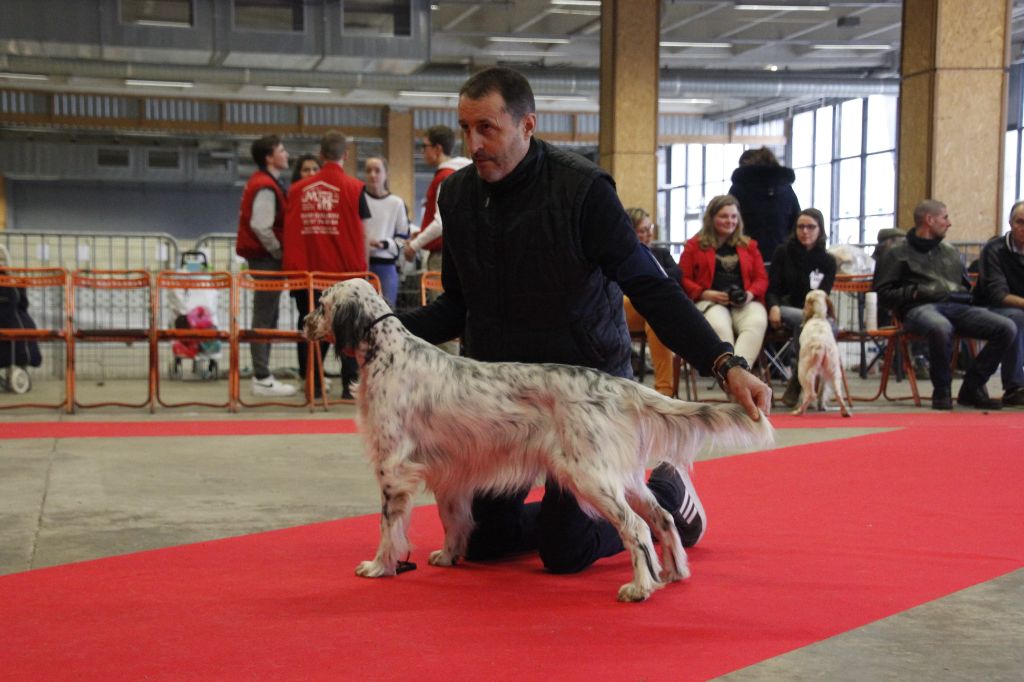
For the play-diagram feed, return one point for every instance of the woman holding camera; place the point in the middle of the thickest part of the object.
(724, 273)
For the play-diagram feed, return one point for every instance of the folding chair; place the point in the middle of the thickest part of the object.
(51, 286)
(319, 281)
(111, 307)
(248, 283)
(430, 281)
(889, 339)
(168, 283)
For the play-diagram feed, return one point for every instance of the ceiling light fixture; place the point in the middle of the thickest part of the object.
(851, 47)
(25, 76)
(297, 89)
(678, 43)
(578, 3)
(771, 67)
(685, 100)
(159, 84)
(524, 53)
(424, 93)
(780, 7)
(541, 41)
(561, 98)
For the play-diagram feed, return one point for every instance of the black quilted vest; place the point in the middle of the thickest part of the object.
(531, 295)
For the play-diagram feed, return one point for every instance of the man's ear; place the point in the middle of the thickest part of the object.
(529, 122)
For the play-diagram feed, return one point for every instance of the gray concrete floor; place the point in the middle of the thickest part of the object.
(66, 500)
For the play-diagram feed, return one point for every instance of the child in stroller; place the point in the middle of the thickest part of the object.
(16, 356)
(195, 309)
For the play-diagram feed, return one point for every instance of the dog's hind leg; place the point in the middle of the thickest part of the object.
(673, 556)
(456, 512)
(807, 395)
(836, 375)
(609, 498)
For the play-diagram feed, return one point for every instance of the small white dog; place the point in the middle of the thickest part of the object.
(461, 426)
(819, 356)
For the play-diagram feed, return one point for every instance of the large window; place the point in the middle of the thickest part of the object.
(845, 165)
(268, 15)
(689, 175)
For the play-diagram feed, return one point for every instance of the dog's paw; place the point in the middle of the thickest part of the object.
(673, 576)
(440, 557)
(373, 569)
(631, 592)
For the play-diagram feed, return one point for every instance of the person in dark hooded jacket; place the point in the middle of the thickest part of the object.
(768, 204)
(14, 315)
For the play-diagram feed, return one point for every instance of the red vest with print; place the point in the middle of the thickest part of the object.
(247, 245)
(323, 230)
(431, 208)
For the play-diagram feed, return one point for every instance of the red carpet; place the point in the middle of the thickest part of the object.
(804, 543)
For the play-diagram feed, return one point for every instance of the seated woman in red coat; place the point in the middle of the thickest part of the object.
(724, 273)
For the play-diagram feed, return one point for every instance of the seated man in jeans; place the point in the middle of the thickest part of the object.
(923, 280)
(1001, 287)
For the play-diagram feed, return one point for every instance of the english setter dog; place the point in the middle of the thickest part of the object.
(460, 426)
(819, 356)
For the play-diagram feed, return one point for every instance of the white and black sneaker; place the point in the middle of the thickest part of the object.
(269, 386)
(674, 490)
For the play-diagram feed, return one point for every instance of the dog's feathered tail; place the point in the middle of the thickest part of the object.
(676, 430)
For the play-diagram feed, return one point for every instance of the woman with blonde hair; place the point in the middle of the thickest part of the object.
(724, 273)
(661, 356)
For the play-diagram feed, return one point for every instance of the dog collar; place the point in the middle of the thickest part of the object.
(379, 319)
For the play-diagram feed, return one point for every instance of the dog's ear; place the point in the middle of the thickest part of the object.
(350, 322)
(808, 306)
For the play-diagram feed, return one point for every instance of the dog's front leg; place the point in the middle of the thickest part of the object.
(396, 508)
(456, 513)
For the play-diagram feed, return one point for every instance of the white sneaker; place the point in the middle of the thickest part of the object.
(327, 385)
(271, 386)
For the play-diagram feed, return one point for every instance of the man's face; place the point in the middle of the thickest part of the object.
(494, 141)
(1017, 227)
(431, 152)
(939, 223)
(278, 159)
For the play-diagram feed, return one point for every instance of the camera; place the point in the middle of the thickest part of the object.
(737, 296)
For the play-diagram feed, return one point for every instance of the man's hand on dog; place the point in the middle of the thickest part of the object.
(750, 392)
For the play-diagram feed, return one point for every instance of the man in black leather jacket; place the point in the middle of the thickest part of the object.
(537, 253)
(923, 281)
(1001, 287)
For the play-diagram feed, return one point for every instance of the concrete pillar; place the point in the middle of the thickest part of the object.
(628, 140)
(399, 149)
(953, 111)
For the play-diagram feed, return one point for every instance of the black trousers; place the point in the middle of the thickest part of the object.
(349, 368)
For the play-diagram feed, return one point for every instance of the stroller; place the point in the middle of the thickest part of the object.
(194, 309)
(16, 356)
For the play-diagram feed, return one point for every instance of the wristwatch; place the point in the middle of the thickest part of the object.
(721, 369)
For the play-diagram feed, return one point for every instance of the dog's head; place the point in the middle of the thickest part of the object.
(344, 314)
(817, 304)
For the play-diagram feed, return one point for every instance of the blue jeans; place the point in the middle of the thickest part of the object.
(388, 275)
(937, 322)
(1013, 359)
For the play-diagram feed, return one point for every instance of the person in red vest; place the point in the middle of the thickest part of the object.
(260, 228)
(324, 230)
(437, 144)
